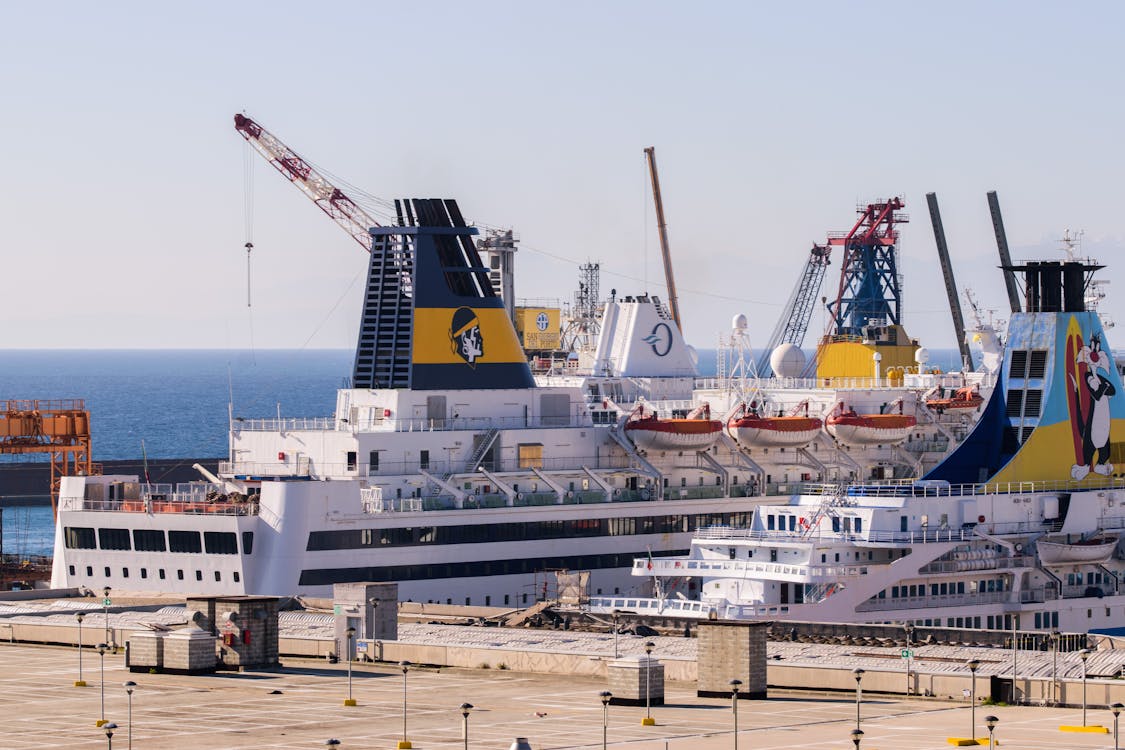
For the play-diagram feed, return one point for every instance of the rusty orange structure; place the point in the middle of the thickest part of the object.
(59, 428)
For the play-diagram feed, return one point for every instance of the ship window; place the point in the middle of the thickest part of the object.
(218, 576)
(373, 461)
(70, 568)
(89, 571)
(161, 573)
(858, 525)
(113, 538)
(80, 538)
(221, 542)
(144, 572)
(107, 573)
(199, 575)
(124, 572)
(770, 522)
(247, 542)
(236, 576)
(351, 457)
(184, 541)
(424, 460)
(180, 575)
(148, 540)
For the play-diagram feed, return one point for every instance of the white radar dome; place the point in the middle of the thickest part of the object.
(739, 322)
(922, 356)
(787, 361)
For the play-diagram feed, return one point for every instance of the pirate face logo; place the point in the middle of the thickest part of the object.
(464, 334)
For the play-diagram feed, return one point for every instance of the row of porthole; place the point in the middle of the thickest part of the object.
(237, 577)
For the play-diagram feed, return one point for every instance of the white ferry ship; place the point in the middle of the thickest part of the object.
(1019, 526)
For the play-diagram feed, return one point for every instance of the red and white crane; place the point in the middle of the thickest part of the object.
(342, 209)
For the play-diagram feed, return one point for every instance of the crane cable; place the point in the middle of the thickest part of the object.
(248, 218)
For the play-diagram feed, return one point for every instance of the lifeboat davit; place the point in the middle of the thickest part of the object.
(673, 434)
(869, 429)
(962, 398)
(782, 432)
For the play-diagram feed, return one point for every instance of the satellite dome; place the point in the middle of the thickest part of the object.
(787, 361)
(739, 322)
(922, 356)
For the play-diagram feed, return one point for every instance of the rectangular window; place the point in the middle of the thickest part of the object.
(161, 572)
(149, 540)
(70, 568)
(184, 541)
(859, 525)
(221, 542)
(107, 573)
(351, 457)
(247, 542)
(79, 538)
(199, 575)
(373, 461)
(124, 572)
(113, 538)
(144, 572)
(424, 460)
(218, 576)
(180, 575)
(89, 571)
(237, 577)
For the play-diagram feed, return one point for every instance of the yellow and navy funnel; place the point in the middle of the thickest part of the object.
(1058, 412)
(431, 319)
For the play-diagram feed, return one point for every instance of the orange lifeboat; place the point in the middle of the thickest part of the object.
(963, 398)
(851, 428)
(689, 433)
(781, 431)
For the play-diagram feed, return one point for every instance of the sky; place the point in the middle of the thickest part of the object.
(126, 207)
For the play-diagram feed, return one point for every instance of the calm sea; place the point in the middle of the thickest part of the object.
(175, 401)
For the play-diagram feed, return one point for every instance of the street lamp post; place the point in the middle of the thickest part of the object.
(465, 709)
(80, 682)
(648, 721)
(1085, 654)
(606, 697)
(405, 743)
(973, 665)
(350, 632)
(1116, 708)
(102, 648)
(105, 612)
(857, 737)
(909, 628)
(130, 686)
(734, 686)
(1055, 635)
(991, 722)
(858, 693)
(615, 614)
(109, 735)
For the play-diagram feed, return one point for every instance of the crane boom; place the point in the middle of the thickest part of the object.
(670, 280)
(342, 209)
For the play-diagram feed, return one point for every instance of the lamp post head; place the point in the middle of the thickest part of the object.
(1116, 708)
(101, 648)
(908, 627)
(734, 686)
(106, 591)
(990, 722)
(857, 735)
(649, 646)
(1085, 654)
(80, 617)
(973, 665)
(859, 673)
(606, 697)
(350, 632)
(129, 686)
(405, 666)
(332, 742)
(109, 729)
(465, 709)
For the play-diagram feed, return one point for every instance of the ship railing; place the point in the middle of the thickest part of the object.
(926, 446)
(992, 563)
(421, 424)
(638, 605)
(1082, 591)
(245, 507)
(741, 568)
(301, 466)
(930, 601)
(937, 488)
(921, 536)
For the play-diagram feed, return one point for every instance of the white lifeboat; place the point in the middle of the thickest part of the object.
(787, 431)
(1096, 550)
(851, 428)
(686, 433)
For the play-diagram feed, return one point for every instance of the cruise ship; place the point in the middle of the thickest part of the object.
(450, 469)
(1018, 527)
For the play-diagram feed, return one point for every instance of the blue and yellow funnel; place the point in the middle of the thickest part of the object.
(431, 319)
(1058, 412)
